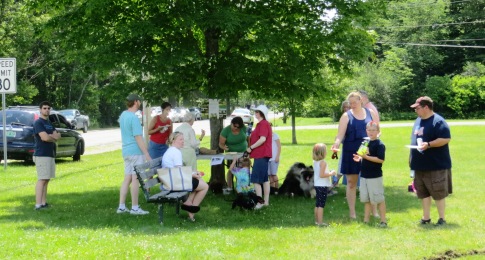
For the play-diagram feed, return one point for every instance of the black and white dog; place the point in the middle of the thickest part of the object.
(247, 201)
(298, 181)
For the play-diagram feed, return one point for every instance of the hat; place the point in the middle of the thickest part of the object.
(263, 109)
(423, 101)
(133, 97)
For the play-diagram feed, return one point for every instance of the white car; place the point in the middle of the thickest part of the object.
(196, 112)
(156, 111)
(177, 114)
(244, 113)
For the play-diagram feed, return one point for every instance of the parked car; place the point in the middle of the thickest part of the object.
(139, 114)
(177, 114)
(19, 130)
(244, 113)
(156, 111)
(196, 112)
(76, 119)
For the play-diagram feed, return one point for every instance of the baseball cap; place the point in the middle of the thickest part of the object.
(133, 97)
(422, 101)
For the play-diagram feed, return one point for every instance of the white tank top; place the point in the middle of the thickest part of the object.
(321, 182)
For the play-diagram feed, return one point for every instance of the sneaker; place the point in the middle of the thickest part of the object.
(259, 206)
(441, 222)
(332, 192)
(39, 208)
(424, 222)
(322, 225)
(120, 210)
(46, 205)
(139, 211)
(383, 225)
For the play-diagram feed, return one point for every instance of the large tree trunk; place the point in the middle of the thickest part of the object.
(217, 180)
(212, 37)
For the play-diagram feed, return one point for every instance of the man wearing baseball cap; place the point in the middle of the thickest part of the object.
(134, 152)
(431, 161)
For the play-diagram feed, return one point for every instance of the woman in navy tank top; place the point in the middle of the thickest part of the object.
(351, 133)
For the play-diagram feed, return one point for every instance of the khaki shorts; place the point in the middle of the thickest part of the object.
(371, 190)
(46, 167)
(436, 184)
(131, 161)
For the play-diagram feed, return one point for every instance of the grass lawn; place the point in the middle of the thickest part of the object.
(82, 223)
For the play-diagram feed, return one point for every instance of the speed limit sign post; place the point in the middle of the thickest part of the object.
(8, 85)
(8, 75)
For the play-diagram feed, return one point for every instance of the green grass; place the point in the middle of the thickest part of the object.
(82, 223)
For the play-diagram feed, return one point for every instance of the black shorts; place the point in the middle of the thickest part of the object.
(195, 183)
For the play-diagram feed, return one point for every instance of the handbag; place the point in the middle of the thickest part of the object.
(175, 179)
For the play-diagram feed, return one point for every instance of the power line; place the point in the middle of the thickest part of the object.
(413, 5)
(433, 45)
(460, 40)
(427, 25)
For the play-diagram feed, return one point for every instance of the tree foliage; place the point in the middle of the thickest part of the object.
(274, 49)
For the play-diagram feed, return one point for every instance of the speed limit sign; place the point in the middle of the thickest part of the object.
(8, 75)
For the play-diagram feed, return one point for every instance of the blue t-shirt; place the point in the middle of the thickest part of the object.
(435, 158)
(130, 127)
(371, 170)
(46, 149)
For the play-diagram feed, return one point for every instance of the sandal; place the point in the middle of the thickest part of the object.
(424, 222)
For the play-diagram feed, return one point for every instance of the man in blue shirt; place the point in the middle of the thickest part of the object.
(431, 161)
(134, 152)
(44, 154)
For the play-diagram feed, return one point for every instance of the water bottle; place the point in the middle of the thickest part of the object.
(411, 174)
(363, 147)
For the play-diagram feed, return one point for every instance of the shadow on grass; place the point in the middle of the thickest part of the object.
(58, 176)
(97, 210)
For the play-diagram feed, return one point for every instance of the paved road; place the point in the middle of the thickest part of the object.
(99, 141)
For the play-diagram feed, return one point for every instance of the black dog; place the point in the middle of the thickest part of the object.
(298, 181)
(247, 201)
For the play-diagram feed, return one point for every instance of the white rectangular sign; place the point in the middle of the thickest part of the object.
(214, 108)
(8, 75)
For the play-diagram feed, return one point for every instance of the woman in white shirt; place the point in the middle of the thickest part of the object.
(173, 158)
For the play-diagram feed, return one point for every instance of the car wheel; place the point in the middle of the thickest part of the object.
(85, 128)
(77, 155)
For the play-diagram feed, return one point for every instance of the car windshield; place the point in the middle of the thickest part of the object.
(18, 117)
(67, 112)
(241, 111)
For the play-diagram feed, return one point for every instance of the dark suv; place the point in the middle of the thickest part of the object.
(19, 130)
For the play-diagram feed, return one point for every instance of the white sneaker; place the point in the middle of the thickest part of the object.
(139, 211)
(125, 210)
(258, 206)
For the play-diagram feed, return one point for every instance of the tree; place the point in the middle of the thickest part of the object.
(16, 39)
(271, 48)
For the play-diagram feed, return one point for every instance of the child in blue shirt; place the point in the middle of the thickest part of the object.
(242, 174)
(371, 182)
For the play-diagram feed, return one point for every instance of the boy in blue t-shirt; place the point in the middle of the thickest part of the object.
(371, 182)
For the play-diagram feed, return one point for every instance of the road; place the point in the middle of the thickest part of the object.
(99, 141)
